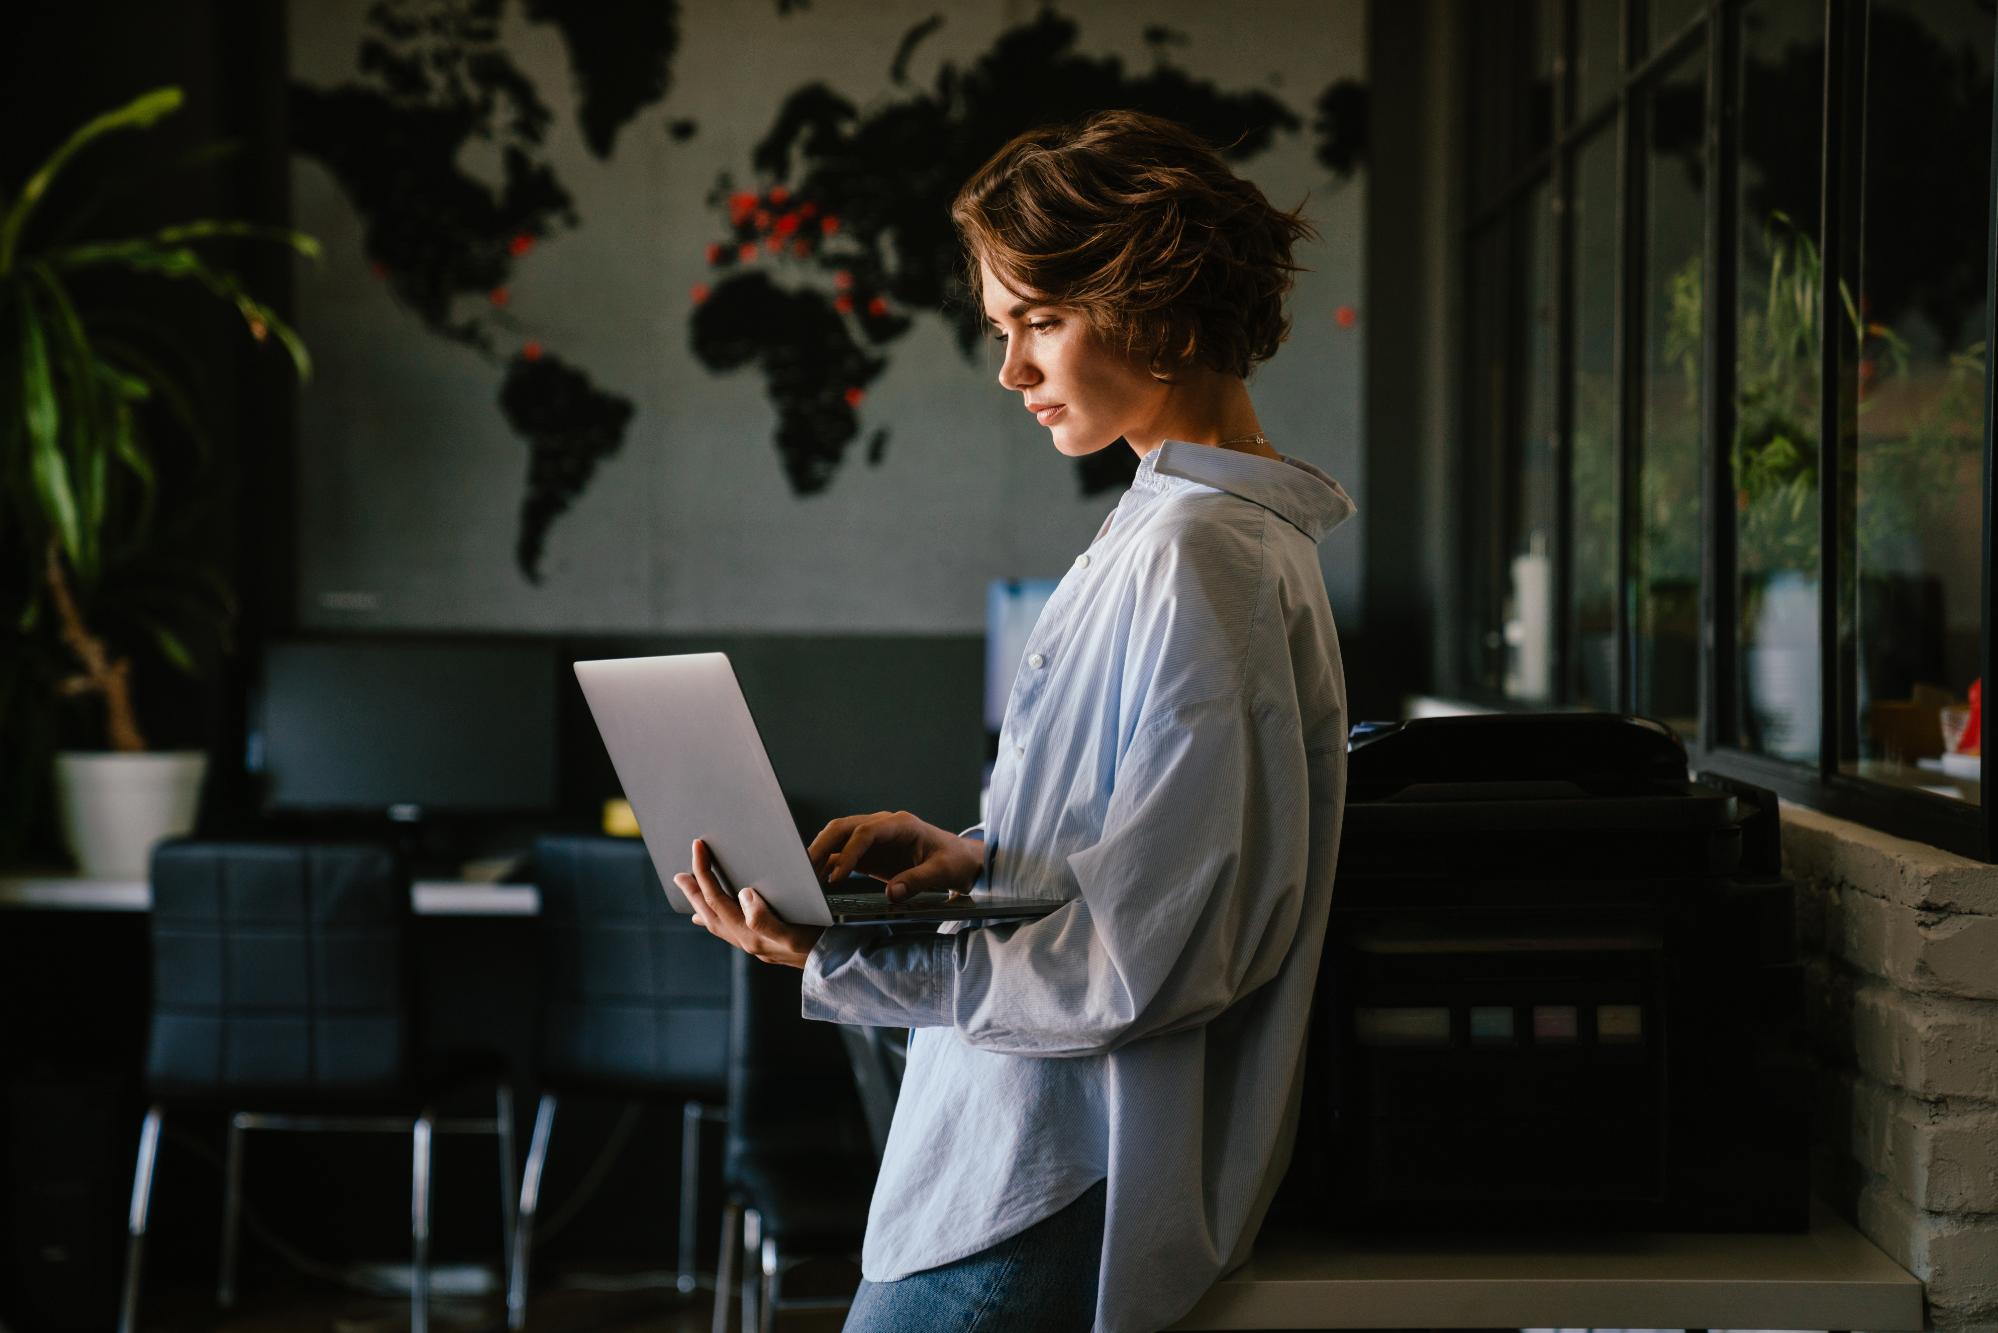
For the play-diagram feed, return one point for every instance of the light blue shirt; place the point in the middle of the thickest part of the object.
(1172, 767)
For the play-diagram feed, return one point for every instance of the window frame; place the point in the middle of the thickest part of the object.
(1967, 829)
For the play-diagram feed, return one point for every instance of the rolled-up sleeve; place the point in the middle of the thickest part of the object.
(1186, 902)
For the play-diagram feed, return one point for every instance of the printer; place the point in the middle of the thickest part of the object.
(1559, 989)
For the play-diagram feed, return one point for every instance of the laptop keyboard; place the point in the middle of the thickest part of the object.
(868, 902)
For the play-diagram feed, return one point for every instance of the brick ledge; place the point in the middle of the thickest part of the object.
(1913, 874)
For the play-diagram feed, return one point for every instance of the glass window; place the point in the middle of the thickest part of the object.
(1774, 454)
(1482, 556)
(1667, 18)
(1512, 90)
(1593, 489)
(1666, 553)
(1529, 469)
(1738, 466)
(1911, 589)
(1598, 48)
(1546, 37)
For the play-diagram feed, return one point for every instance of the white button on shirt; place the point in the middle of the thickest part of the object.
(1083, 560)
(1184, 804)
(1037, 661)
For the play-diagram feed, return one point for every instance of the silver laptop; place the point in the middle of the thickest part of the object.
(693, 766)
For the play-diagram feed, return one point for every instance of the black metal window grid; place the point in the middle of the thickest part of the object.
(1529, 121)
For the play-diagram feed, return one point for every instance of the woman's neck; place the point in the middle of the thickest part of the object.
(1204, 407)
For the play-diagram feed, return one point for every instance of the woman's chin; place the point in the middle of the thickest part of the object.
(1078, 444)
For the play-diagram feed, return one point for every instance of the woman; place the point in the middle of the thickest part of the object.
(1098, 1105)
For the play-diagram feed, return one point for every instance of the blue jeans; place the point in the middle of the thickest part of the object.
(1042, 1279)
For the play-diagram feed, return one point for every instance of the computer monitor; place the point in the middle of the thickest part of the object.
(406, 728)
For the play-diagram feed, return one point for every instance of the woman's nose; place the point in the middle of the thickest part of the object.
(1016, 371)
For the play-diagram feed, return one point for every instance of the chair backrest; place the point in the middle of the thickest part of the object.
(634, 996)
(790, 1086)
(280, 972)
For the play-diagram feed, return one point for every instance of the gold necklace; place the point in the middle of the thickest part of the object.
(1257, 438)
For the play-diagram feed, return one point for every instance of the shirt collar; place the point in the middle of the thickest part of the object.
(1290, 488)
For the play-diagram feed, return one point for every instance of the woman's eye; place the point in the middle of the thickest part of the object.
(1041, 327)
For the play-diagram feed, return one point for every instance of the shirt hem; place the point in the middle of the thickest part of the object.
(1001, 1232)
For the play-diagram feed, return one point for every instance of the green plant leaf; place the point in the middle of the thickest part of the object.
(83, 482)
(173, 649)
(42, 414)
(96, 478)
(123, 443)
(146, 256)
(130, 388)
(301, 359)
(141, 183)
(140, 113)
(145, 368)
(210, 229)
(143, 255)
(85, 416)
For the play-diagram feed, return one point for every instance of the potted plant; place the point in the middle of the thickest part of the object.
(96, 586)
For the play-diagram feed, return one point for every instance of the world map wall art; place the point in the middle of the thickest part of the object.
(649, 316)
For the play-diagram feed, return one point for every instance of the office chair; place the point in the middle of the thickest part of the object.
(800, 1164)
(281, 994)
(634, 1006)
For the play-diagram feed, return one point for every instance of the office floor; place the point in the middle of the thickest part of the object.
(297, 1305)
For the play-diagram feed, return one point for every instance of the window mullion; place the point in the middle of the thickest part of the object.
(1629, 366)
(1837, 402)
(1717, 376)
(1988, 770)
(1561, 673)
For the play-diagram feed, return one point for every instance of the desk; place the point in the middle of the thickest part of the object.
(1829, 1277)
(55, 891)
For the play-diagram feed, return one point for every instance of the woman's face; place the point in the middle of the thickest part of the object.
(1086, 393)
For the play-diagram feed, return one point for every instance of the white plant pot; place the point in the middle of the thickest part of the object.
(115, 806)
(1783, 666)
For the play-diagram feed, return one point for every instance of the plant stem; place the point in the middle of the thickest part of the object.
(100, 674)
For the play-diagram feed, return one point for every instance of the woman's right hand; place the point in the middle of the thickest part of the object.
(894, 845)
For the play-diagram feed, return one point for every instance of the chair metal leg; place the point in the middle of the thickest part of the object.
(691, 1117)
(509, 1201)
(731, 1242)
(752, 1277)
(135, 1225)
(232, 1212)
(419, 1225)
(766, 1308)
(530, 1203)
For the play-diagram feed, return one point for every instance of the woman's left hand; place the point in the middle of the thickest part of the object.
(746, 922)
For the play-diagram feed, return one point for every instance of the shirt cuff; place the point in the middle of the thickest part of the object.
(984, 880)
(869, 976)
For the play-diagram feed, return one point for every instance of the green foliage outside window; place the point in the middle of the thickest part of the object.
(1901, 484)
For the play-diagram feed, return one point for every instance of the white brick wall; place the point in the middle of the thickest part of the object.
(1933, 1045)
(1900, 943)
(1946, 953)
(1941, 1155)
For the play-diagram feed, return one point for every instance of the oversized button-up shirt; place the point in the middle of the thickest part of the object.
(1172, 769)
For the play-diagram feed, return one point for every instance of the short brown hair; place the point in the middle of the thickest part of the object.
(1138, 223)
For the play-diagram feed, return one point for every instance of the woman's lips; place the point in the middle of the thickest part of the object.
(1047, 415)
